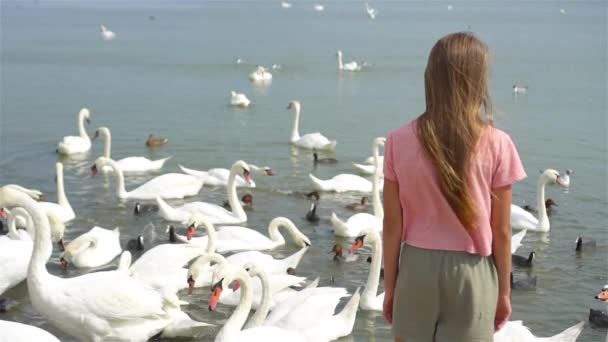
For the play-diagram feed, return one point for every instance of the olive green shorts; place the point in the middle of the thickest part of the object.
(444, 296)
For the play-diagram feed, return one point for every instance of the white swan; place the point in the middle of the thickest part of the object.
(215, 214)
(95, 306)
(199, 274)
(521, 219)
(33, 193)
(239, 99)
(128, 164)
(285, 4)
(106, 34)
(62, 209)
(369, 299)
(80, 144)
(309, 312)
(358, 222)
(169, 185)
(235, 238)
(19, 332)
(94, 248)
(15, 252)
(225, 275)
(371, 12)
(517, 89)
(318, 8)
(350, 66)
(260, 75)
(311, 141)
(515, 331)
(369, 167)
(220, 176)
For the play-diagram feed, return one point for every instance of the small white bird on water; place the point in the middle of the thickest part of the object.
(319, 8)
(371, 12)
(450, 7)
(106, 34)
(285, 4)
(517, 89)
(239, 100)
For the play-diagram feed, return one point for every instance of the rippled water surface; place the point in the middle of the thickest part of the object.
(172, 76)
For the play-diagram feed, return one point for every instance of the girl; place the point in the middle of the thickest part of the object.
(447, 200)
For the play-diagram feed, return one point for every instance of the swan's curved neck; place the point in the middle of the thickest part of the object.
(107, 143)
(12, 224)
(120, 178)
(211, 238)
(373, 279)
(295, 131)
(262, 311)
(376, 203)
(42, 244)
(275, 234)
(81, 130)
(543, 219)
(236, 321)
(235, 204)
(340, 64)
(62, 200)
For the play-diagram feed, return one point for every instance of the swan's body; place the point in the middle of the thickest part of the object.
(77, 144)
(214, 213)
(515, 331)
(62, 209)
(350, 66)
(342, 183)
(15, 252)
(520, 89)
(239, 99)
(106, 34)
(218, 177)
(169, 185)
(309, 312)
(128, 164)
(521, 219)
(516, 240)
(371, 12)
(309, 141)
(368, 168)
(260, 75)
(19, 332)
(96, 306)
(231, 332)
(235, 238)
(94, 248)
(369, 299)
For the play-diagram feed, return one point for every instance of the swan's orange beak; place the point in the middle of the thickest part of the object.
(247, 176)
(190, 284)
(190, 232)
(93, 170)
(216, 291)
(64, 263)
(3, 213)
(603, 296)
(358, 243)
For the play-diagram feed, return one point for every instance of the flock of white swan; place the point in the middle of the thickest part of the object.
(142, 299)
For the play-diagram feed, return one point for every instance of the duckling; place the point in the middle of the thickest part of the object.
(246, 202)
(154, 142)
(581, 245)
(549, 204)
(136, 244)
(311, 215)
(140, 209)
(317, 160)
(523, 284)
(361, 206)
(523, 261)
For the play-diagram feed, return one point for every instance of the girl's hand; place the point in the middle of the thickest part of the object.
(388, 306)
(503, 311)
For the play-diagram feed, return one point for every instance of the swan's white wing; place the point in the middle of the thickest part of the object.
(167, 256)
(73, 140)
(14, 257)
(18, 332)
(313, 140)
(348, 182)
(521, 219)
(134, 164)
(213, 212)
(169, 185)
(109, 296)
(363, 221)
(268, 334)
(516, 240)
(229, 233)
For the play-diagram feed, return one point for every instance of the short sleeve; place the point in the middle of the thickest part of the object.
(508, 168)
(389, 169)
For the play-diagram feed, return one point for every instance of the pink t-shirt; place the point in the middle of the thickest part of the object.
(428, 220)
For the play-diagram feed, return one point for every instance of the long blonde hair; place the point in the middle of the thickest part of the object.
(456, 88)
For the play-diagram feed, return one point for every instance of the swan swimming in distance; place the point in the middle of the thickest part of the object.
(106, 34)
(350, 66)
(518, 89)
(239, 100)
(371, 12)
(285, 4)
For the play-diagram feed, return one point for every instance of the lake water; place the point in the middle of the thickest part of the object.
(171, 75)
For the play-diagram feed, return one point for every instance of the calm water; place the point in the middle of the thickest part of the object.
(172, 76)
